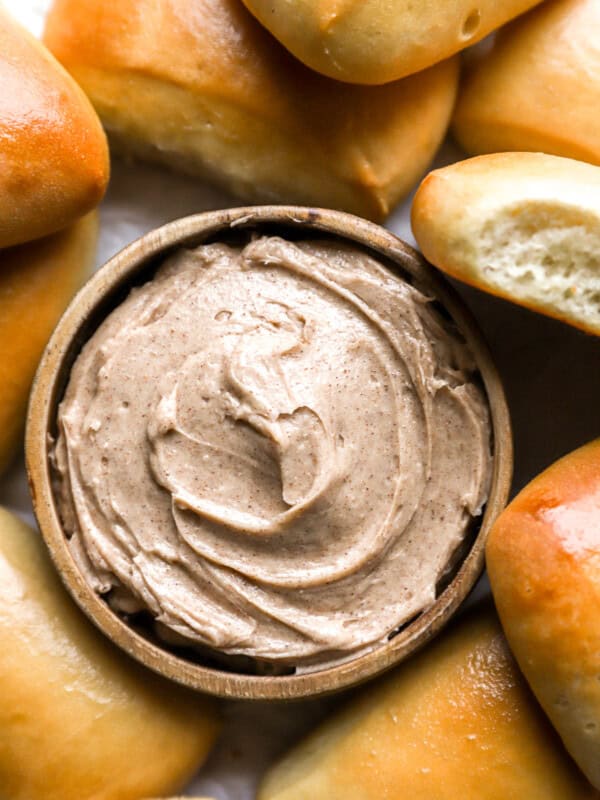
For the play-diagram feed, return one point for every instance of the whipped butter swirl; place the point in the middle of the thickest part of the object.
(275, 449)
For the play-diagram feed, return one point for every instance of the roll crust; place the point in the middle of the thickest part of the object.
(456, 721)
(77, 719)
(37, 281)
(522, 226)
(53, 152)
(538, 88)
(376, 41)
(543, 559)
(204, 88)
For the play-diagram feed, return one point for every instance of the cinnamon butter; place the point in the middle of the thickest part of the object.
(275, 449)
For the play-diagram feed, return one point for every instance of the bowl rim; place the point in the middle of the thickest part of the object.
(120, 272)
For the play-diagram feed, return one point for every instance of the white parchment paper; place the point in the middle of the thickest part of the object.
(551, 374)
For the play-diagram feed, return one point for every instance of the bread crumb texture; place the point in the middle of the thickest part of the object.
(546, 255)
(523, 226)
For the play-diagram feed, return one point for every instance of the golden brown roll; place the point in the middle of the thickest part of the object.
(539, 86)
(37, 281)
(53, 152)
(78, 720)
(376, 41)
(202, 86)
(457, 721)
(523, 226)
(543, 557)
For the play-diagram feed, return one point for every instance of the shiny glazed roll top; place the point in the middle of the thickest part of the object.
(273, 448)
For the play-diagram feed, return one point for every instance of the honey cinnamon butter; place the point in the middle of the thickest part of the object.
(274, 448)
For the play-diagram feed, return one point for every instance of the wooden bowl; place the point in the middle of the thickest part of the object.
(106, 289)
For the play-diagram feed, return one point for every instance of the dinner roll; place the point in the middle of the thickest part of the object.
(538, 88)
(53, 152)
(201, 85)
(37, 281)
(457, 721)
(376, 41)
(523, 226)
(78, 720)
(543, 557)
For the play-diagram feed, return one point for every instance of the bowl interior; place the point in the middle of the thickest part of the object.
(106, 290)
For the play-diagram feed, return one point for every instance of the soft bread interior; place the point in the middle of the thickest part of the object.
(546, 256)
